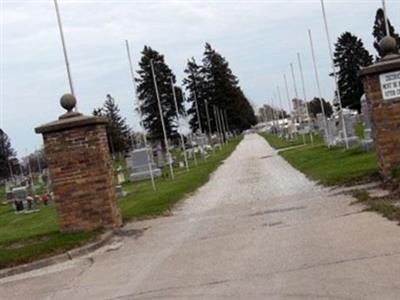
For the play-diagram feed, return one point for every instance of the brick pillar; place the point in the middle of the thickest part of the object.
(80, 167)
(382, 86)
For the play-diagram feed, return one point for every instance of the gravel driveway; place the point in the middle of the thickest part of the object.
(257, 230)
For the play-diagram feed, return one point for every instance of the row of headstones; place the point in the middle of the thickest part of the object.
(334, 135)
(139, 161)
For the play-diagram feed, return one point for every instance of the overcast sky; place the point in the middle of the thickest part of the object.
(258, 38)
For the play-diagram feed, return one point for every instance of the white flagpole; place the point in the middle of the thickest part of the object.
(386, 19)
(71, 86)
(281, 107)
(290, 105)
(335, 75)
(294, 82)
(318, 86)
(297, 97)
(191, 134)
(177, 118)
(149, 155)
(171, 169)
(305, 96)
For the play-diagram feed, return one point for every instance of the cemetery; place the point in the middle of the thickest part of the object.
(24, 238)
(281, 203)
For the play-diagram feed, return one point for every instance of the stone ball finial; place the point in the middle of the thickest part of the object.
(68, 102)
(388, 45)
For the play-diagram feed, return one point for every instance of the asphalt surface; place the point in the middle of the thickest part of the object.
(257, 230)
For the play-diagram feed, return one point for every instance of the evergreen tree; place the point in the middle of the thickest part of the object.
(222, 89)
(379, 30)
(349, 57)
(147, 95)
(314, 107)
(196, 85)
(6, 151)
(117, 129)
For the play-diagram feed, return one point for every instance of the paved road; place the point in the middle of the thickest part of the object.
(258, 230)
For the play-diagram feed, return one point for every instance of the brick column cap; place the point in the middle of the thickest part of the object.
(68, 123)
(382, 67)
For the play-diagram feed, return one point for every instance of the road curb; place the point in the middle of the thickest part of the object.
(74, 253)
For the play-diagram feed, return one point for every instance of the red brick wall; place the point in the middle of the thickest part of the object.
(81, 171)
(385, 116)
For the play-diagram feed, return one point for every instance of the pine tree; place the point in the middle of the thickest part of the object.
(379, 30)
(349, 57)
(147, 95)
(117, 129)
(6, 151)
(222, 89)
(196, 85)
(314, 107)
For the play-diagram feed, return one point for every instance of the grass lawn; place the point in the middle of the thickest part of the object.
(331, 166)
(24, 238)
(280, 143)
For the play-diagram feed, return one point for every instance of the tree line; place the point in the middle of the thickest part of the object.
(209, 85)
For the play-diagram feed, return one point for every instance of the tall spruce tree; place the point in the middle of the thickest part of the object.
(349, 57)
(6, 151)
(379, 31)
(147, 95)
(117, 129)
(222, 89)
(196, 85)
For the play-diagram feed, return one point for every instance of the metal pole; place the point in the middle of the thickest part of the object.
(335, 75)
(305, 96)
(171, 169)
(209, 125)
(290, 105)
(217, 125)
(298, 117)
(191, 134)
(222, 124)
(281, 107)
(318, 86)
(385, 17)
(71, 86)
(177, 118)
(149, 155)
(226, 120)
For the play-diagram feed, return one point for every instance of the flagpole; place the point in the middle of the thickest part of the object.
(281, 107)
(335, 75)
(385, 17)
(294, 82)
(305, 96)
(71, 86)
(318, 86)
(149, 155)
(177, 118)
(191, 133)
(171, 169)
(290, 105)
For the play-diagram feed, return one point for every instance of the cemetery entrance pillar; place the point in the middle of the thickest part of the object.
(81, 170)
(382, 86)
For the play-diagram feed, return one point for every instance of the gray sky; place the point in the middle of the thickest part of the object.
(258, 38)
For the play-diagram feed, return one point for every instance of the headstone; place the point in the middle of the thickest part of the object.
(350, 120)
(139, 162)
(367, 142)
(19, 197)
(119, 173)
(381, 83)
(120, 191)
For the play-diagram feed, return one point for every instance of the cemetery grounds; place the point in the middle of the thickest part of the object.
(337, 166)
(24, 238)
